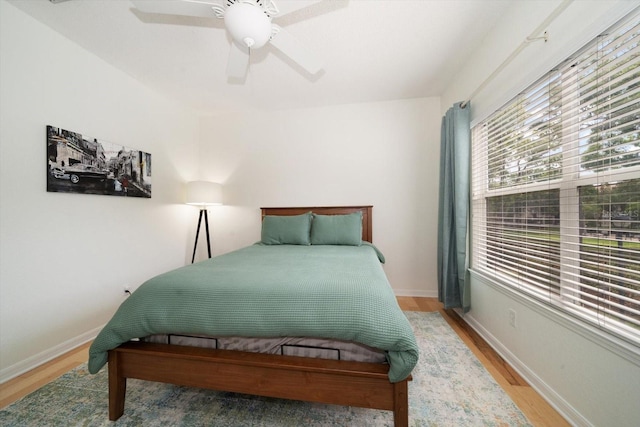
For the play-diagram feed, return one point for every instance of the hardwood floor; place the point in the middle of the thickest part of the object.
(536, 409)
(24, 384)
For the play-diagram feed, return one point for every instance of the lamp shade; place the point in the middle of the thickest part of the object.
(204, 193)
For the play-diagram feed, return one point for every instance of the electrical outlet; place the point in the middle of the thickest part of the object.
(512, 318)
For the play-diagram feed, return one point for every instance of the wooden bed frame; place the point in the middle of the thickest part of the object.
(315, 380)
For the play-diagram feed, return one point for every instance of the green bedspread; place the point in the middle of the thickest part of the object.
(338, 292)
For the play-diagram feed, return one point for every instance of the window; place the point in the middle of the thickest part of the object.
(556, 186)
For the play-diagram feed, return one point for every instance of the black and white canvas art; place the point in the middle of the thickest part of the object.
(82, 164)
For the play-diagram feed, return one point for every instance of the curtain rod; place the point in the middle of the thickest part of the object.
(532, 37)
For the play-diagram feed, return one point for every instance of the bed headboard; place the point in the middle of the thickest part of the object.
(330, 210)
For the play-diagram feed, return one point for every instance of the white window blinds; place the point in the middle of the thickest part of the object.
(556, 186)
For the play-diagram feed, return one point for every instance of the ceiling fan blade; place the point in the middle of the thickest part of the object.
(290, 46)
(200, 9)
(238, 61)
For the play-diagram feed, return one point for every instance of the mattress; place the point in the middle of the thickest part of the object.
(288, 346)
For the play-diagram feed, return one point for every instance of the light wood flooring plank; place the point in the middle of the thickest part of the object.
(24, 384)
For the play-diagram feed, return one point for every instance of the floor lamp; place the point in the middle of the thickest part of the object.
(203, 194)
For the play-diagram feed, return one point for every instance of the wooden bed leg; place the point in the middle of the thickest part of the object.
(117, 388)
(401, 404)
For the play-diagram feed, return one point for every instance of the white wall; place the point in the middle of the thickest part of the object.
(381, 154)
(590, 381)
(64, 258)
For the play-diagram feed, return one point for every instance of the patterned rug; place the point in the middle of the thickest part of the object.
(450, 387)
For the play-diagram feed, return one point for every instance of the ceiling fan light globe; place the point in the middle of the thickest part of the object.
(246, 22)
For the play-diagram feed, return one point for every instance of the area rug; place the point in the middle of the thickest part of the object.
(450, 387)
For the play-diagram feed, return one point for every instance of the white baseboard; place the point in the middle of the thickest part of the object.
(414, 293)
(549, 394)
(36, 360)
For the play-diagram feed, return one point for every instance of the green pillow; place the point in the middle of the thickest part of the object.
(286, 230)
(337, 229)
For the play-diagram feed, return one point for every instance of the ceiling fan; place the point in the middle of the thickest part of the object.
(249, 23)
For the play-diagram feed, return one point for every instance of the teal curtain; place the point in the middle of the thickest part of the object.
(453, 208)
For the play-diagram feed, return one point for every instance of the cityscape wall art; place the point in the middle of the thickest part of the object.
(80, 164)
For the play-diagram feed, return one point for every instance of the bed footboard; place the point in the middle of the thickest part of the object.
(316, 380)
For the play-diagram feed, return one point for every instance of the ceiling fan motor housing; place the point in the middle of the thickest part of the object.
(249, 25)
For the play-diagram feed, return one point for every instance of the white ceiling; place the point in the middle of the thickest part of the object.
(372, 50)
